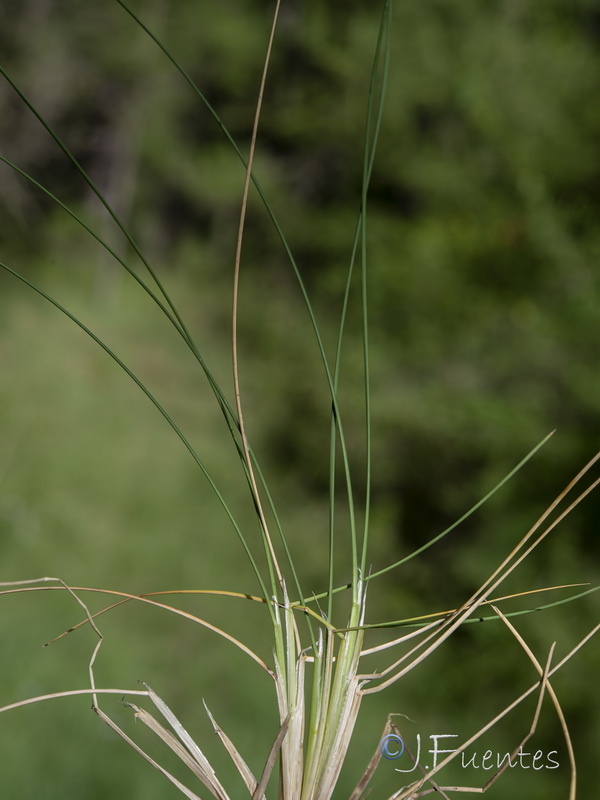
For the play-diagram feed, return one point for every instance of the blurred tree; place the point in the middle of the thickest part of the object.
(483, 236)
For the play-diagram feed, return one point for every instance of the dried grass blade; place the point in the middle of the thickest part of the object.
(334, 758)
(553, 697)
(259, 792)
(183, 789)
(502, 714)
(446, 612)
(272, 557)
(296, 725)
(509, 761)
(376, 758)
(190, 744)
(372, 765)
(489, 585)
(175, 745)
(142, 599)
(242, 767)
(215, 592)
(291, 710)
(70, 693)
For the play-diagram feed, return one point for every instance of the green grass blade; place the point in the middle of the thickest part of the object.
(285, 245)
(226, 409)
(467, 514)
(98, 194)
(228, 412)
(156, 404)
(174, 317)
(360, 233)
(103, 243)
(410, 623)
(383, 43)
(445, 532)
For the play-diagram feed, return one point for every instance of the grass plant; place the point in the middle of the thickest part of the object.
(322, 665)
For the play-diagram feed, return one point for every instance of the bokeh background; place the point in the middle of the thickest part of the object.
(484, 295)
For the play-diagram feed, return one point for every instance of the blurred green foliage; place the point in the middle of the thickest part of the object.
(484, 289)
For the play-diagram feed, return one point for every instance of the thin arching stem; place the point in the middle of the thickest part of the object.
(234, 316)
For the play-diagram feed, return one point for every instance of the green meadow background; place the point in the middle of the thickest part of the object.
(484, 297)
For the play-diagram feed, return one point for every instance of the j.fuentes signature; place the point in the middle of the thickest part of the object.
(393, 747)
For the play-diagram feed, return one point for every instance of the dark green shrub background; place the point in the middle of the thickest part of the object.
(484, 295)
